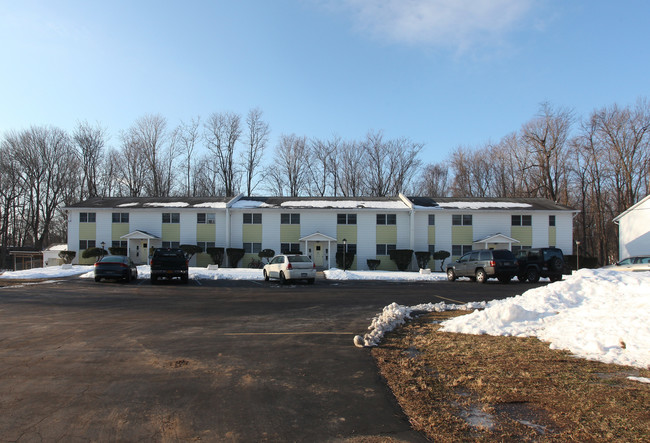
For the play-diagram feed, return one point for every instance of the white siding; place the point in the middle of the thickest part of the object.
(318, 221)
(271, 231)
(236, 228)
(443, 232)
(489, 223)
(220, 227)
(421, 231)
(403, 231)
(564, 232)
(103, 228)
(540, 230)
(187, 228)
(634, 231)
(73, 233)
(366, 238)
(147, 221)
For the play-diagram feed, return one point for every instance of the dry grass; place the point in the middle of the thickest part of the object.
(482, 388)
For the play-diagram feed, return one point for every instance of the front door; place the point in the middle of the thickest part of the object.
(318, 254)
(138, 251)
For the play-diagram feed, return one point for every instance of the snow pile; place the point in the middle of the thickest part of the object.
(395, 315)
(144, 272)
(595, 314)
(47, 272)
(338, 274)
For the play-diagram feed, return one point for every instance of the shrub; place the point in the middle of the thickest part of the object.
(402, 258)
(349, 259)
(441, 255)
(190, 250)
(373, 264)
(234, 255)
(216, 254)
(266, 253)
(423, 258)
(117, 250)
(97, 253)
(67, 256)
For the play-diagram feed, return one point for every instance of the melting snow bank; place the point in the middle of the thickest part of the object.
(595, 314)
(339, 274)
(144, 272)
(47, 272)
(394, 315)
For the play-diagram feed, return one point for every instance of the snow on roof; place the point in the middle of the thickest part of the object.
(250, 204)
(57, 247)
(484, 205)
(320, 204)
(215, 205)
(126, 205)
(166, 205)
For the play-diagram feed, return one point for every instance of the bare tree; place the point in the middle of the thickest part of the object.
(90, 142)
(149, 134)
(321, 174)
(187, 136)
(130, 163)
(289, 170)
(257, 136)
(434, 180)
(351, 170)
(222, 132)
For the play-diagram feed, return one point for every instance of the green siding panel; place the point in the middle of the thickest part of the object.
(252, 234)
(289, 233)
(171, 232)
(523, 233)
(247, 259)
(348, 232)
(118, 230)
(87, 231)
(462, 235)
(205, 232)
(387, 235)
(386, 263)
(203, 259)
(432, 235)
(552, 236)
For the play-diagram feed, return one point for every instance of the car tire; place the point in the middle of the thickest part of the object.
(266, 276)
(135, 275)
(481, 276)
(556, 264)
(154, 280)
(522, 278)
(97, 279)
(283, 279)
(532, 275)
(310, 281)
(185, 279)
(451, 275)
(128, 277)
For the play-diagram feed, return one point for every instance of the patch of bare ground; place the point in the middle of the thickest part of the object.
(457, 387)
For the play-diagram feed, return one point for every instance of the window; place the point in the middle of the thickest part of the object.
(346, 219)
(205, 245)
(86, 244)
(461, 220)
(252, 219)
(352, 248)
(385, 249)
(252, 248)
(171, 217)
(118, 244)
(386, 219)
(457, 250)
(288, 248)
(521, 220)
(86, 217)
(170, 244)
(432, 219)
(120, 217)
(290, 219)
(551, 220)
(203, 219)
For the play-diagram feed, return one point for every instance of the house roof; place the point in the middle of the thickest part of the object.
(487, 203)
(632, 208)
(152, 202)
(381, 203)
(496, 238)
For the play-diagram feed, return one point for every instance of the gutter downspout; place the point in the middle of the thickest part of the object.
(228, 230)
(411, 207)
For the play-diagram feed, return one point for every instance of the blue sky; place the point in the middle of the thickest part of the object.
(441, 72)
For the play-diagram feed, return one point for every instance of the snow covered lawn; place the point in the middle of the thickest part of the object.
(47, 272)
(595, 314)
(144, 272)
(338, 274)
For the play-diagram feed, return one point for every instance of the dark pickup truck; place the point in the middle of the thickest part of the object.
(168, 263)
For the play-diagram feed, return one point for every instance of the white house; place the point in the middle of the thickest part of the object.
(634, 230)
(318, 226)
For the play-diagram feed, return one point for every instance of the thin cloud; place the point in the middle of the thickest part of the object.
(453, 24)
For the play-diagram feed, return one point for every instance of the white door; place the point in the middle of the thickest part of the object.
(318, 254)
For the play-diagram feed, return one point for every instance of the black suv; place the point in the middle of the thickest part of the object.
(484, 264)
(540, 262)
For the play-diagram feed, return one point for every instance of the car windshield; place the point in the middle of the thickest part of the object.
(503, 255)
(549, 253)
(112, 259)
(299, 259)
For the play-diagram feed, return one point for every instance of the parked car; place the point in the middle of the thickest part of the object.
(484, 264)
(168, 263)
(290, 267)
(541, 262)
(115, 267)
(638, 264)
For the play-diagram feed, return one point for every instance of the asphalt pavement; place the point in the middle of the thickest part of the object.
(210, 361)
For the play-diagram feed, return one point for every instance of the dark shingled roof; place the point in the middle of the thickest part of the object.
(491, 203)
(144, 202)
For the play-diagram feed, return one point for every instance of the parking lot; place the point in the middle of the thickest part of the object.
(212, 360)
